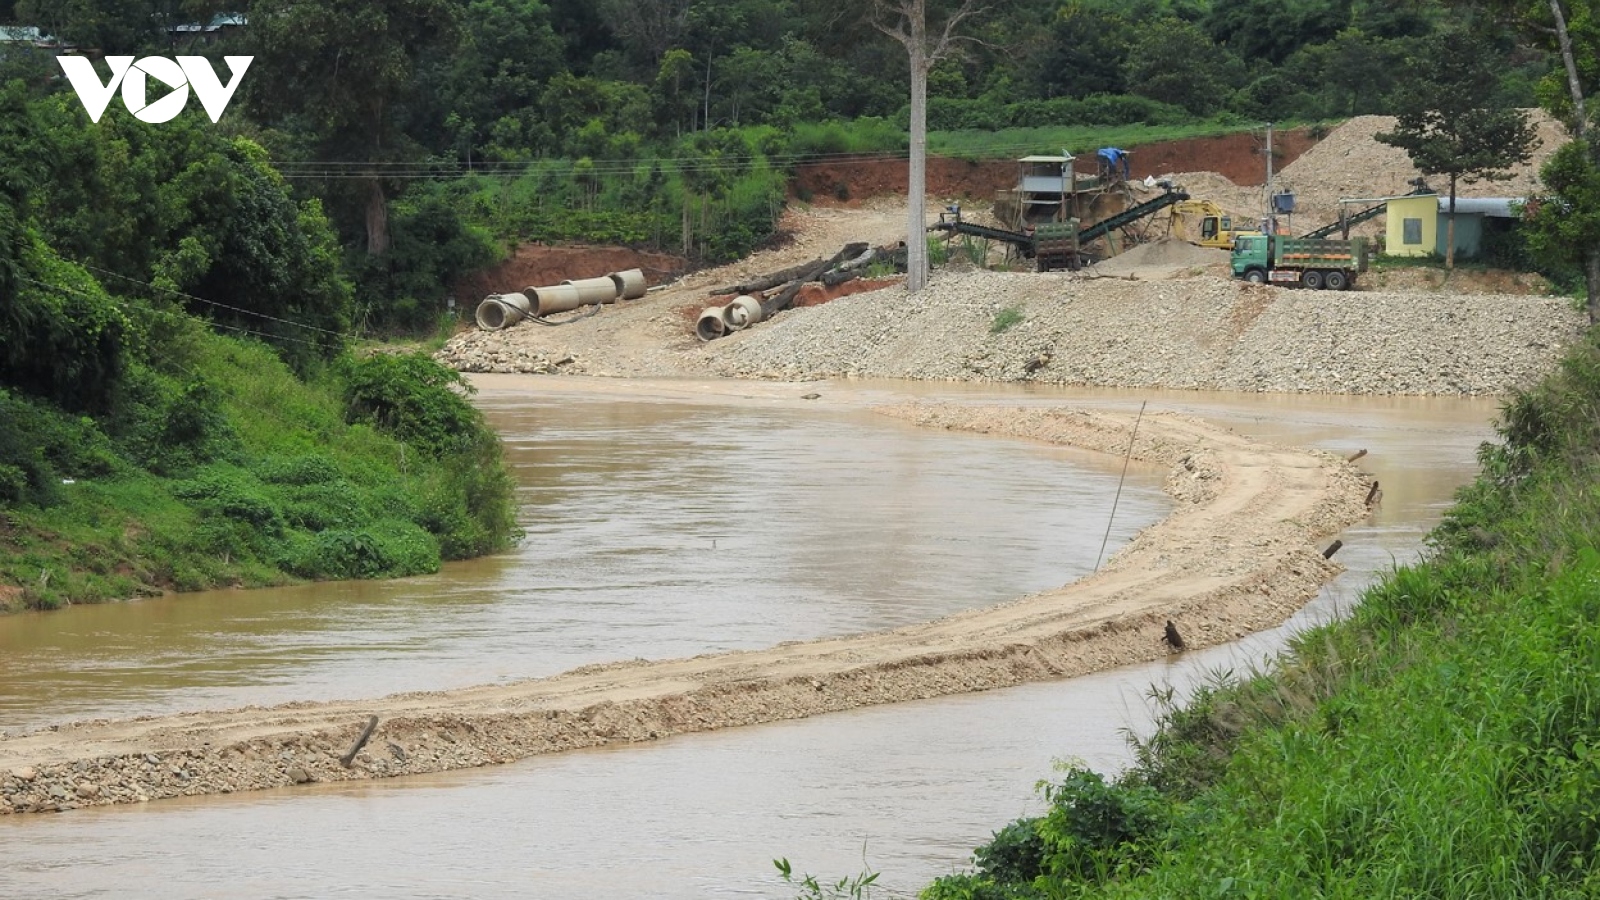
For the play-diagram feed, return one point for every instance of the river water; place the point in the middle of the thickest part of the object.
(667, 519)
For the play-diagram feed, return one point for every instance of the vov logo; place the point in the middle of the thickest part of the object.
(133, 77)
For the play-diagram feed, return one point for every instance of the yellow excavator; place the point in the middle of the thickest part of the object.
(1203, 223)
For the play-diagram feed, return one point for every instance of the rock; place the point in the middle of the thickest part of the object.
(26, 773)
(298, 775)
(88, 790)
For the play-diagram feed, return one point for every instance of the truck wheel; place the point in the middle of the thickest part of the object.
(1336, 281)
(1256, 276)
(1312, 280)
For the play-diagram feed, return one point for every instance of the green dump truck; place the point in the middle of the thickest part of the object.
(1313, 263)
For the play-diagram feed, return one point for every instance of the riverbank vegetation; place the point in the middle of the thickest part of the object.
(1441, 741)
(178, 409)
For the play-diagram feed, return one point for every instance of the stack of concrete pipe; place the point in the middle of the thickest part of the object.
(499, 311)
(716, 321)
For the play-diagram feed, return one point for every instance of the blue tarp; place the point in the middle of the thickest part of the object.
(1112, 159)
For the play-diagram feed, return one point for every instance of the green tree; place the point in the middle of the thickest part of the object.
(1352, 75)
(353, 73)
(1173, 61)
(112, 26)
(1446, 125)
(488, 88)
(1271, 30)
(1567, 221)
(1084, 54)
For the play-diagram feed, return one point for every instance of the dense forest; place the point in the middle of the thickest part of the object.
(434, 131)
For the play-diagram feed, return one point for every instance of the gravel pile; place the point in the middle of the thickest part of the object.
(1205, 333)
(1350, 162)
(487, 351)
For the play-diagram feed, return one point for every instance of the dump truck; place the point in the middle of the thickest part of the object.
(1313, 263)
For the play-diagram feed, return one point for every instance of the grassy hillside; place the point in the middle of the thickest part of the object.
(216, 465)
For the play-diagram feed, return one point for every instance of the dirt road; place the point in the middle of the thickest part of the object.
(1239, 553)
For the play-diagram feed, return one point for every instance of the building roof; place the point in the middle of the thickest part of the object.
(1047, 159)
(1494, 207)
(218, 22)
(28, 34)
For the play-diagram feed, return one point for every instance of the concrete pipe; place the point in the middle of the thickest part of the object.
(710, 325)
(499, 311)
(630, 284)
(556, 298)
(595, 290)
(741, 313)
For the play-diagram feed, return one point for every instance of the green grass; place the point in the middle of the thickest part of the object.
(1005, 318)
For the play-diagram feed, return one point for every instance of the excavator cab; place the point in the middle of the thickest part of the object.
(1204, 223)
(1214, 229)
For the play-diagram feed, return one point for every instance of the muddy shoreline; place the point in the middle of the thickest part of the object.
(1239, 553)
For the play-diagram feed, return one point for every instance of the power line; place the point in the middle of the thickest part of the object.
(174, 316)
(178, 293)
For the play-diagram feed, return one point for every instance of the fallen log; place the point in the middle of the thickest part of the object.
(785, 298)
(769, 281)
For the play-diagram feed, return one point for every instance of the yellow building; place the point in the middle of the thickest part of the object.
(1413, 226)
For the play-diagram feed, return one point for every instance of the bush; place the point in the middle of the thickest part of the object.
(386, 549)
(1095, 830)
(414, 399)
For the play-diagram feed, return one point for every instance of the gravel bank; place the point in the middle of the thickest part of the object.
(1201, 332)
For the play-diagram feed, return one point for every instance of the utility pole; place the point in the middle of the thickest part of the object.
(1271, 217)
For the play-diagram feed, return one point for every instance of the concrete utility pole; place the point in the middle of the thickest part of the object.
(1272, 216)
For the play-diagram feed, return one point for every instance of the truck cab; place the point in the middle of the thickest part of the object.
(1252, 257)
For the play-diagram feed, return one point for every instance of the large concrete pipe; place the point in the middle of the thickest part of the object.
(499, 311)
(710, 325)
(741, 312)
(630, 284)
(555, 298)
(595, 290)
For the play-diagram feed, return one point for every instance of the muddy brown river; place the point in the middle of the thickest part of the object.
(668, 519)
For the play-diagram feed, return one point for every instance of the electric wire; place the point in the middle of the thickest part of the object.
(174, 316)
(177, 293)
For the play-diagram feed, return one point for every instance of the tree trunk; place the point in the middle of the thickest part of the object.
(917, 189)
(1580, 118)
(1591, 278)
(1450, 229)
(1580, 128)
(688, 226)
(705, 118)
(377, 220)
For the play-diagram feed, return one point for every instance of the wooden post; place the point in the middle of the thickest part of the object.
(366, 734)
